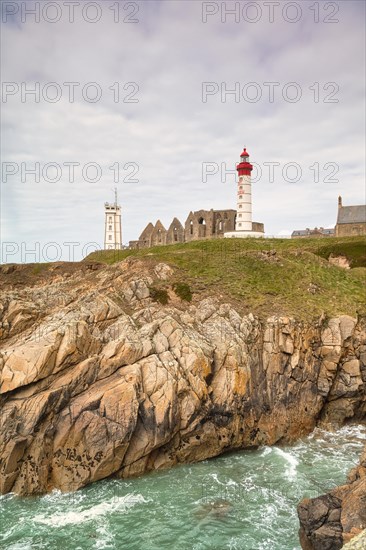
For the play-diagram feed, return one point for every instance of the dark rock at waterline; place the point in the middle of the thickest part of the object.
(329, 521)
(321, 527)
(215, 509)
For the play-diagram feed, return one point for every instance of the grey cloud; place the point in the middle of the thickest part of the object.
(171, 132)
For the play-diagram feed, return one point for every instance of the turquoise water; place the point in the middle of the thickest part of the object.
(244, 500)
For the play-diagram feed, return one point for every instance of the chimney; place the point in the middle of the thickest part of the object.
(339, 202)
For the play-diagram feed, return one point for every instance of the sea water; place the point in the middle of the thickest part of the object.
(244, 500)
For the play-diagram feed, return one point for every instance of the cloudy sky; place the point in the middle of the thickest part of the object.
(149, 91)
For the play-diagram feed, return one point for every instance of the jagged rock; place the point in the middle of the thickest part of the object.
(97, 380)
(357, 543)
(321, 527)
(329, 521)
(339, 261)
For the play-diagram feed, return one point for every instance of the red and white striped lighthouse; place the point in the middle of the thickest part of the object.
(244, 199)
(244, 225)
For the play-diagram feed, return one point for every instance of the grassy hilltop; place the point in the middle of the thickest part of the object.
(265, 276)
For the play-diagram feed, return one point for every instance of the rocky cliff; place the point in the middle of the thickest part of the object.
(329, 521)
(357, 543)
(98, 379)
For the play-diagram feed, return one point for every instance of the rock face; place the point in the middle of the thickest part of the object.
(99, 380)
(329, 521)
(357, 543)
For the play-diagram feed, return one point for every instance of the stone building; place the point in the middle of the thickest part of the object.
(203, 224)
(317, 232)
(175, 233)
(145, 237)
(351, 220)
(158, 234)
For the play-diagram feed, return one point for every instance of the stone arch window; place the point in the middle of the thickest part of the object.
(202, 228)
(191, 227)
(175, 234)
(220, 226)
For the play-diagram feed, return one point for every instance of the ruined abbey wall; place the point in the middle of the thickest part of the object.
(203, 224)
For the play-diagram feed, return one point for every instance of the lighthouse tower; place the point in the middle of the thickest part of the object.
(243, 220)
(244, 226)
(113, 227)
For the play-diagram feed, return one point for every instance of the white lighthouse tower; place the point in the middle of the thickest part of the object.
(244, 226)
(243, 220)
(113, 226)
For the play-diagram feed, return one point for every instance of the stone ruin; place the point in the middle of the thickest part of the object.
(203, 224)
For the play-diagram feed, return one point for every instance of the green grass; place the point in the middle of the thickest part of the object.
(159, 295)
(39, 268)
(354, 250)
(109, 256)
(266, 276)
(183, 291)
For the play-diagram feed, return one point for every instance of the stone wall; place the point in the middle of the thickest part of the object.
(175, 233)
(158, 234)
(258, 227)
(202, 224)
(350, 229)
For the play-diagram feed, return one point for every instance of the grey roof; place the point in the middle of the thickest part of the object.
(352, 214)
(309, 232)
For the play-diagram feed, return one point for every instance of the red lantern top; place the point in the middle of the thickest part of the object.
(244, 168)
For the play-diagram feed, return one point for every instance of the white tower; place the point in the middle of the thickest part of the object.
(113, 226)
(244, 201)
(244, 226)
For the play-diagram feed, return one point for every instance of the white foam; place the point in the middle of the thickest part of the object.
(291, 471)
(353, 431)
(7, 496)
(19, 546)
(58, 497)
(105, 538)
(266, 451)
(231, 482)
(215, 477)
(81, 516)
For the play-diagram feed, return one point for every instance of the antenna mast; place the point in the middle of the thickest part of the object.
(115, 197)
